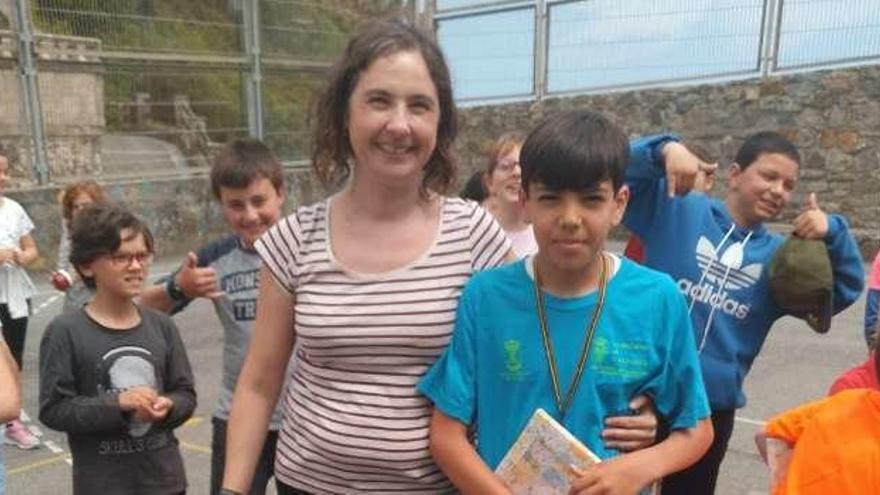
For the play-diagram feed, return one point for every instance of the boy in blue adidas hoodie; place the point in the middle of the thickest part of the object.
(718, 252)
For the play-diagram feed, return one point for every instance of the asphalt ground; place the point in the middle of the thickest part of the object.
(795, 366)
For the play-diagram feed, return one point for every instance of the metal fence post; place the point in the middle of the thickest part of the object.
(770, 33)
(425, 16)
(254, 85)
(33, 110)
(542, 43)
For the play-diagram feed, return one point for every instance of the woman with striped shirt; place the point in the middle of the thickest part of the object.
(367, 282)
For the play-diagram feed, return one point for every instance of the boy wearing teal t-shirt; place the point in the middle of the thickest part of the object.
(573, 330)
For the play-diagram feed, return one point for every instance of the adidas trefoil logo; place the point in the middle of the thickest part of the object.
(723, 274)
(739, 277)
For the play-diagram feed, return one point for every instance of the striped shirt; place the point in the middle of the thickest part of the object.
(353, 420)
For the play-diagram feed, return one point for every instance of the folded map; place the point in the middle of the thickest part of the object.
(540, 459)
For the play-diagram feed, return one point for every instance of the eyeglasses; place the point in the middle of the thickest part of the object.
(124, 260)
(508, 165)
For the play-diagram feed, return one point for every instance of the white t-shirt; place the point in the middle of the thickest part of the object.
(523, 242)
(15, 285)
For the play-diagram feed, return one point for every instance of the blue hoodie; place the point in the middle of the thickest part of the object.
(721, 269)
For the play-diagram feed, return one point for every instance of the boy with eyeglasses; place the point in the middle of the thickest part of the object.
(114, 375)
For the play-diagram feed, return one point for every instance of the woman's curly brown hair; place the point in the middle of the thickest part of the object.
(331, 150)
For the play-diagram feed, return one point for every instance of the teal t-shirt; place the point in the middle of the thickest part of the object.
(494, 373)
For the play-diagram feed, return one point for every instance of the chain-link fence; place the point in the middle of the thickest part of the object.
(119, 88)
(140, 88)
(16, 139)
(815, 33)
(531, 49)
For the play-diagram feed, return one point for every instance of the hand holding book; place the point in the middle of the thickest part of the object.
(617, 476)
(540, 460)
(548, 459)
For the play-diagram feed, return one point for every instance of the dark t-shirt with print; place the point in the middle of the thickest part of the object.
(83, 368)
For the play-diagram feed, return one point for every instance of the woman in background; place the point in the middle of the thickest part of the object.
(74, 198)
(503, 185)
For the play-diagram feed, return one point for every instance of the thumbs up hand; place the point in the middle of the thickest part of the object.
(812, 223)
(197, 281)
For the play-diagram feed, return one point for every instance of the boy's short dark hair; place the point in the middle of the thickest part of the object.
(242, 161)
(765, 142)
(474, 189)
(95, 231)
(574, 150)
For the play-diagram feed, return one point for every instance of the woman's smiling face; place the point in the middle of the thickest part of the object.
(393, 115)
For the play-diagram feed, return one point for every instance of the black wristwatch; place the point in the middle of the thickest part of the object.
(173, 289)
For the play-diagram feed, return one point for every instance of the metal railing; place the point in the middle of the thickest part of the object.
(133, 88)
(520, 49)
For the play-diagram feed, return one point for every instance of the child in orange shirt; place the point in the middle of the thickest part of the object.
(834, 445)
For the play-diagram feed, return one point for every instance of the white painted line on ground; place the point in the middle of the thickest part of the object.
(53, 447)
(47, 293)
(748, 421)
(45, 304)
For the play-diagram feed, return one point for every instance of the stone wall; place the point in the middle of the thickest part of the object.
(832, 116)
(71, 85)
(71, 81)
(14, 131)
(5, 13)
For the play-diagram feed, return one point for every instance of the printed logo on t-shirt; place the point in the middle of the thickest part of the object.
(721, 276)
(514, 370)
(241, 287)
(625, 360)
(133, 445)
(124, 368)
